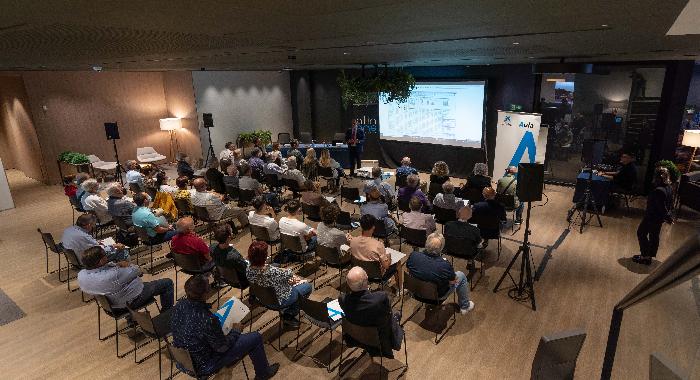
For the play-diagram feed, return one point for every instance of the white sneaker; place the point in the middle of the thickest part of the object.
(468, 309)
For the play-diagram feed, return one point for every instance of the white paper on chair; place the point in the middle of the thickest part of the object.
(335, 312)
(108, 242)
(233, 311)
(361, 200)
(330, 199)
(345, 248)
(396, 256)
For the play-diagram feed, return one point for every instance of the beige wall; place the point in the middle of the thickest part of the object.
(19, 146)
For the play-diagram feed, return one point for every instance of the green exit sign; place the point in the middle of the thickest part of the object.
(516, 107)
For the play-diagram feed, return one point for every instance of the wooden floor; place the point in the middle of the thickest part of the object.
(586, 275)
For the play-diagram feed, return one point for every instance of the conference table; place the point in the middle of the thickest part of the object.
(600, 188)
(338, 152)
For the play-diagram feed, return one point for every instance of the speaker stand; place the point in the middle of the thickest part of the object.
(581, 210)
(118, 169)
(210, 151)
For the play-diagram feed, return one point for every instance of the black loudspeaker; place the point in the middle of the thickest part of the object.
(208, 120)
(112, 131)
(592, 152)
(530, 182)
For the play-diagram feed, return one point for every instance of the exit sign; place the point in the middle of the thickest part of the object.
(516, 107)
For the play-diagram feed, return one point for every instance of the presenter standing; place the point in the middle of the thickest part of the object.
(355, 138)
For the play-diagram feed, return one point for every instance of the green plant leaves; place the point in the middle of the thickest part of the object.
(672, 169)
(389, 86)
(249, 137)
(74, 158)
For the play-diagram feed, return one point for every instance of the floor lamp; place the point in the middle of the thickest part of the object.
(171, 124)
(691, 138)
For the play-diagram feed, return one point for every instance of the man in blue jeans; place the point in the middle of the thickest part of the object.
(431, 267)
(197, 330)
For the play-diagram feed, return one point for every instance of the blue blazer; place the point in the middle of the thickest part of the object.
(360, 137)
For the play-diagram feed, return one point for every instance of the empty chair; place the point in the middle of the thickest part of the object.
(556, 356)
(103, 304)
(343, 221)
(444, 215)
(293, 186)
(350, 194)
(233, 192)
(50, 244)
(474, 195)
(508, 202)
(230, 277)
(268, 298)
(327, 172)
(145, 240)
(148, 155)
(245, 196)
(284, 138)
(305, 137)
(317, 314)
(338, 137)
(413, 237)
(155, 328)
(434, 189)
(427, 293)
(98, 164)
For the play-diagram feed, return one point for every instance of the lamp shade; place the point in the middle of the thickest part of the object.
(691, 138)
(170, 124)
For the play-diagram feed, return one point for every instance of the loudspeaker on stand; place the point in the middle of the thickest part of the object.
(530, 182)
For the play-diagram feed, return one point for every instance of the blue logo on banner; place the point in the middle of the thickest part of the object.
(228, 305)
(527, 142)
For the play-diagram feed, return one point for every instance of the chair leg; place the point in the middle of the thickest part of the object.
(46, 248)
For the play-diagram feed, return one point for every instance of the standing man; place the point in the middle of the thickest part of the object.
(355, 138)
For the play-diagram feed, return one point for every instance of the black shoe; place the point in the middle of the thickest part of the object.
(271, 372)
(291, 322)
(639, 259)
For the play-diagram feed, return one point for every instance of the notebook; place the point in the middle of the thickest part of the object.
(335, 312)
(233, 311)
(396, 256)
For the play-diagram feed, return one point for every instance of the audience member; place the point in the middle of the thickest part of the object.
(231, 177)
(462, 229)
(226, 256)
(379, 210)
(489, 208)
(447, 199)
(327, 162)
(256, 164)
(183, 167)
(258, 143)
(416, 219)
(405, 169)
(196, 329)
(118, 205)
(78, 238)
(247, 182)
(412, 189)
(80, 192)
(440, 173)
(133, 176)
(224, 165)
(658, 211)
(326, 231)
(184, 192)
(227, 153)
(312, 194)
(264, 216)
(157, 228)
(366, 248)
(288, 287)
(478, 180)
(507, 185)
(274, 165)
(164, 185)
(431, 267)
(92, 201)
(276, 149)
(290, 225)
(238, 157)
(371, 309)
(121, 282)
(69, 187)
(215, 178)
(293, 173)
(625, 178)
(385, 190)
(186, 242)
(295, 152)
(214, 204)
(310, 164)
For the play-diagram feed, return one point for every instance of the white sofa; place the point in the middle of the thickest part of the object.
(148, 155)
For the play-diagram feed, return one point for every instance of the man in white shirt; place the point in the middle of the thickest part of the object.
(133, 175)
(264, 216)
(274, 165)
(447, 199)
(294, 173)
(292, 226)
(416, 219)
(94, 202)
(227, 152)
(216, 208)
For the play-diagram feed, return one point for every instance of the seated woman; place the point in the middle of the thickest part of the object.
(327, 233)
(288, 287)
(412, 189)
(327, 162)
(184, 192)
(226, 256)
(310, 164)
(478, 180)
(312, 196)
(440, 173)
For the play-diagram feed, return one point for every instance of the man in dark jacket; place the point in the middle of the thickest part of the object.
(370, 310)
(486, 211)
(355, 138)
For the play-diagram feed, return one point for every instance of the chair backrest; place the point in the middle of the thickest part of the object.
(339, 137)
(325, 171)
(291, 242)
(350, 193)
(49, 241)
(143, 235)
(284, 138)
(413, 236)
(444, 215)
(458, 247)
(72, 258)
(312, 212)
(556, 356)
(230, 276)
(474, 195)
(343, 218)
(183, 206)
(367, 336)
(75, 203)
(401, 180)
(264, 294)
(145, 150)
(93, 159)
(187, 262)
(380, 229)
(260, 233)
(233, 192)
(246, 195)
(422, 290)
(143, 319)
(507, 200)
(305, 137)
(135, 188)
(273, 181)
(181, 356)
(315, 309)
(373, 268)
(104, 303)
(329, 255)
(120, 223)
(201, 213)
(434, 189)
(487, 221)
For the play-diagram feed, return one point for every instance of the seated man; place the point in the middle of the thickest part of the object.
(626, 177)
(416, 219)
(312, 195)
(385, 189)
(462, 229)
(121, 282)
(196, 329)
(274, 165)
(295, 152)
(157, 228)
(214, 204)
(226, 256)
(118, 205)
(247, 182)
(412, 189)
(406, 169)
(507, 185)
(228, 151)
(78, 238)
(367, 248)
(256, 163)
(293, 173)
(186, 242)
(215, 178)
(486, 209)
(264, 216)
(80, 192)
(92, 201)
(371, 309)
(184, 169)
(379, 210)
(291, 225)
(447, 198)
(431, 267)
(231, 177)
(134, 177)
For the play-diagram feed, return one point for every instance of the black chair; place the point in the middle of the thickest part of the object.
(75, 206)
(267, 297)
(189, 264)
(229, 276)
(182, 357)
(427, 293)
(413, 237)
(100, 228)
(261, 233)
(233, 192)
(487, 224)
(313, 212)
(284, 138)
(369, 338)
(184, 207)
(338, 137)
(155, 328)
(332, 257)
(317, 314)
(380, 231)
(444, 215)
(74, 263)
(474, 195)
(344, 221)
(103, 304)
(460, 248)
(305, 137)
(350, 194)
(401, 181)
(293, 244)
(327, 174)
(50, 244)
(246, 196)
(373, 270)
(403, 206)
(145, 240)
(202, 214)
(274, 183)
(293, 186)
(508, 203)
(433, 190)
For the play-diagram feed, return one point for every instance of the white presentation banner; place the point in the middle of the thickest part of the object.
(516, 140)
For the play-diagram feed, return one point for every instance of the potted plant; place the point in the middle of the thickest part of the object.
(246, 139)
(73, 158)
(388, 85)
(672, 169)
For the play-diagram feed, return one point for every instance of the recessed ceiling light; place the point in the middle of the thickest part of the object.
(555, 80)
(346, 53)
(516, 43)
(604, 25)
(531, 57)
(286, 69)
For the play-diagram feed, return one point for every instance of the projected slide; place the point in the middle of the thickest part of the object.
(436, 113)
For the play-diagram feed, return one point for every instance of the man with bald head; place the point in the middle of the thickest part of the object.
(406, 169)
(186, 242)
(215, 205)
(370, 309)
(507, 185)
(461, 229)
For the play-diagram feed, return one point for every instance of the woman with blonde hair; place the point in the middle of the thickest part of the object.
(326, 161)
(440, 173)
(310, 164)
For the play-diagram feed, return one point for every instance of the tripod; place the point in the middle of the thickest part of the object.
(118, 170)
(588, 200)
(210, 152)
(524, 288)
